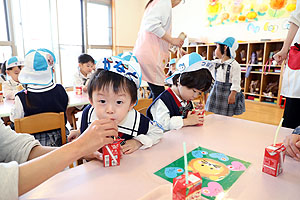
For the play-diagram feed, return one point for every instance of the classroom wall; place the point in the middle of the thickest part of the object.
(128, 18)
(191, 19)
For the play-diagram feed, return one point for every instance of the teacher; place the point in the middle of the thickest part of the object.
(153, 42)
(291, 77)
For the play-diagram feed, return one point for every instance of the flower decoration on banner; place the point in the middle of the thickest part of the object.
(252, 28)
(238, 11)
(213, 9)
(270, 27)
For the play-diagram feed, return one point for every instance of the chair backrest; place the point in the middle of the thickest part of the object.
(143, 103)
(42, 122)
(143, 111)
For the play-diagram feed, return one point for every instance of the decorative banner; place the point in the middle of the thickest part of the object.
(236, 11)
(218, 171)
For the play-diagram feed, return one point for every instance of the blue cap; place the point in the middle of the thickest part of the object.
(231, 43)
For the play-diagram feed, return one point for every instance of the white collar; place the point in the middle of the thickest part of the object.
(13, 82)
(82, 76)
(182, 102)
(40, 88)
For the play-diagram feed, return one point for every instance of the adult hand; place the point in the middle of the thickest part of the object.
(98, 134)
(292, 144)
(281, 56)
(177, 42)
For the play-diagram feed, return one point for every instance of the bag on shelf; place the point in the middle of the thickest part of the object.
(253, 60)
(259, 54)
(270, 61)
(271, 89)
(294, 57)
(243, 55)
(254, 86)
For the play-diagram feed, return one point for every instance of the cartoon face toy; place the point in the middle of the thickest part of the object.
(208, 168)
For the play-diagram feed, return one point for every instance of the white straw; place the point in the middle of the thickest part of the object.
(277, 131)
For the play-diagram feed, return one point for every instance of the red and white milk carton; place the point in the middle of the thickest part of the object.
(181, 190)
(201, 112)
(115, 149)
(274, 158)
(78, 90)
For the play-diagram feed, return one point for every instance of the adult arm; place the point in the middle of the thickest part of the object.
(294, 26)
(38, 170)
(283, 53)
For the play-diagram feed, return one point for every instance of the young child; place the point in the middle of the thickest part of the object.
(226, 97)
(172, 67)
(172, 109)
(113, 93)
(85, 67)
(12, 86)
(2, 72)
(41, 94)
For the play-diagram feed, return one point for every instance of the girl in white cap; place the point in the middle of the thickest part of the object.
(173, 108)
(41, 94)
(226, 97)
(112, 92)
(12, 86)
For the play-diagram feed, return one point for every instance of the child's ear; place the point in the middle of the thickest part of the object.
(132, 105)
(7, 72)
(91, 101)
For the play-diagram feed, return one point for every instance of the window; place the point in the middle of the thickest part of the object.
(99, 28)
(99, 24)
(3, 29)
(62, 26)
(70, 38)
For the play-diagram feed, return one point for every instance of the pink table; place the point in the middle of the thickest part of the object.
(74, 100)
(134, 178)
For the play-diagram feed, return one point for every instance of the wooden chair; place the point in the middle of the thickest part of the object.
(143, 110)
(143, 103)
(42, 122)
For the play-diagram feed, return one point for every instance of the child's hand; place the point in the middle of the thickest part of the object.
(131, 146)
(193, 118)
(73, 135)
(292, 144)
(231, 98)
(84, 89)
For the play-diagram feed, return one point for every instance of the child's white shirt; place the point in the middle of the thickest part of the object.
(10, 89)
(79, 78)
(161, 115)
(152, 137)
(235, 74)
(17, 111)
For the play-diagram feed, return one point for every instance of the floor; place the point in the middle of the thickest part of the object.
(262, 112)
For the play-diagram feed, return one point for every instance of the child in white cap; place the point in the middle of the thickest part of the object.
(226, 97)
(12, 85)
(41, 94)
(113, 94)
(173, 108)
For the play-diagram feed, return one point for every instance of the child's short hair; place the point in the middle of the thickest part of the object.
(103, 79)
(200, 79)
(222, 49)
(85, 58)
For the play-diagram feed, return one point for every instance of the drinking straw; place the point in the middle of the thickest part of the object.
(277, 131)
(185, 164)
